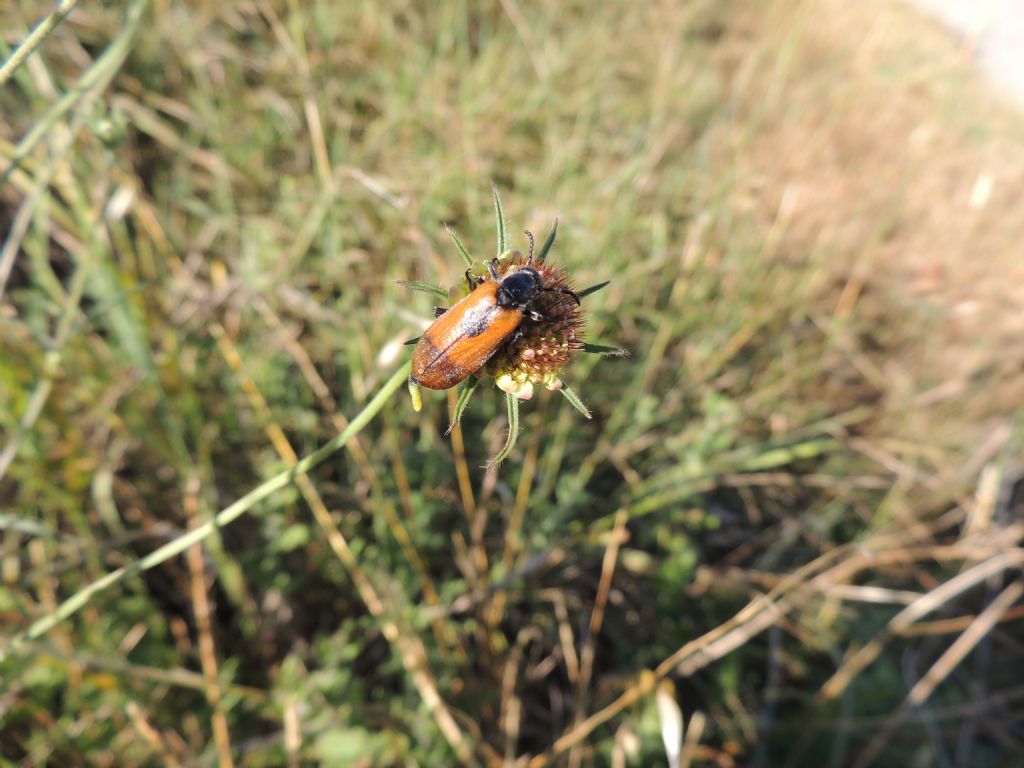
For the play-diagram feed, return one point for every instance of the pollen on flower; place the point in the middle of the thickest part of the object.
(514, 385)
(552, 382)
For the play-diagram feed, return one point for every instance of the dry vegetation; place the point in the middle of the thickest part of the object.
(796, 513)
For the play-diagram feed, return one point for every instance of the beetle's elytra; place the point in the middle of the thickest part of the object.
(465, 337)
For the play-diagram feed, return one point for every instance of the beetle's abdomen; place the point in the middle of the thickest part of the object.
(436, 369)
(463, 339)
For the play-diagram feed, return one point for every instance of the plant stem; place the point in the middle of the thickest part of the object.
(35, 39)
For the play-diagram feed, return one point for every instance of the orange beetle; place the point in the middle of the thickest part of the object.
(466, 335)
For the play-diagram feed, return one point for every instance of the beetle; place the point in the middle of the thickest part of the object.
(466, 335)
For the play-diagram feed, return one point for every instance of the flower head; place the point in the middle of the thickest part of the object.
(548, 336)
(547, 333)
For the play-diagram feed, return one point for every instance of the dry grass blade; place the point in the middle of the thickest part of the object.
(754, 618)
(80, 599)
(207, 647)
(924, 605)
(408, 647)
(940, 670)
(694, 732)
(671, 719)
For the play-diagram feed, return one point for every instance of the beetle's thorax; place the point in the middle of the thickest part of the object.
(519, 288)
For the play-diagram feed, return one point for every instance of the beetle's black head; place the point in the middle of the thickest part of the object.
(519, 288)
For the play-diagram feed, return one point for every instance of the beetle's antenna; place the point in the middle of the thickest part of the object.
(529, 234)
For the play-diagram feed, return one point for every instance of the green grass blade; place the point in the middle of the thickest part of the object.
(90, 85)
(35, 39)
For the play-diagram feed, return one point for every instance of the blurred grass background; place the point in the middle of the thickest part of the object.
(795, 514)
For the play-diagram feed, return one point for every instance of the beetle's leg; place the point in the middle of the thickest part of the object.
(438, 311)
(492, 267)
(567, 292)
(469, 281)
(529, 234)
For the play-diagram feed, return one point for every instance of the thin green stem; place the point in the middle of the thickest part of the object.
(51, 365)
(512, 403)
(93, 81)
(35, 39)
